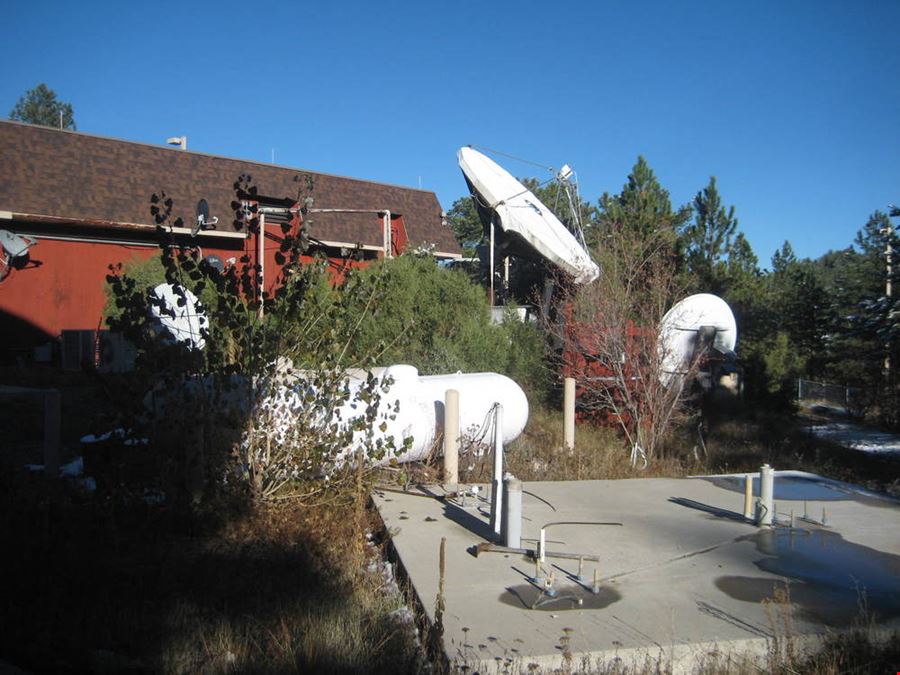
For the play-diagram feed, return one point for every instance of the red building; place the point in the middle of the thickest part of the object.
(85, 203)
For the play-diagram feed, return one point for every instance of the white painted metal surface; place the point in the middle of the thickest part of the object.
(522, 213)
(679, 327)
(421, 408)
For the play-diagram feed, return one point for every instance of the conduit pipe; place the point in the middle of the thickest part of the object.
(497, 482)
(261, 260)
(512, 512)
(765, 506)
(386, 221)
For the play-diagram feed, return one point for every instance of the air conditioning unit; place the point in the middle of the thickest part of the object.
(117, 354)
(78, 349)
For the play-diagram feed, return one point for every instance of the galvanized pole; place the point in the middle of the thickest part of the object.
(497, 482)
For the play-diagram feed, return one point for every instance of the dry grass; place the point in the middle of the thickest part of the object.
(101, 585)
(538, 454)
(733, 441)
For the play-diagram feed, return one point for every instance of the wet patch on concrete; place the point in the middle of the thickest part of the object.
(790, 488)
(829, 580)
(568, 597)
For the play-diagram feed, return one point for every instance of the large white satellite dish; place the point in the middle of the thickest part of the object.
(523, 214)
(680, 329)
(176, 309)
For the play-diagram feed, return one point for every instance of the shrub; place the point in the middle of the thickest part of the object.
(439, 321)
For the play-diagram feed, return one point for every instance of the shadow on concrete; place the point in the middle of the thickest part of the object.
(566, 597)
(706, 508)
(468, 520)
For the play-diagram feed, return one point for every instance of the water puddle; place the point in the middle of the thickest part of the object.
(571, 596)
(829, 580)
(790, 488)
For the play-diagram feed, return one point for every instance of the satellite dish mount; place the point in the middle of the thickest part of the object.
(13, 251)
(204, 222)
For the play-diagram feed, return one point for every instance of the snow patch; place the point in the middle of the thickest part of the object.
(858, 438)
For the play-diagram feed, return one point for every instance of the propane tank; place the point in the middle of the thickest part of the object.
(421, 408)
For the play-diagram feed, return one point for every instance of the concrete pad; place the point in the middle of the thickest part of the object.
(683, 576)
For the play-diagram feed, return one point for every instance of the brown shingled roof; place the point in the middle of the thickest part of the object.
(49, 172)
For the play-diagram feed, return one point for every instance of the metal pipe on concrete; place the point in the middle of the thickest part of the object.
(512, 512)
(569, 414)
(486, 547)
(497, 482)
(765, 506)
(451, 437)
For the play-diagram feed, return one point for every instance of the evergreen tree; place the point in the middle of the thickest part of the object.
(784, 258)
(467, 227)
(40, 106)
(707, 241)
(643, 207)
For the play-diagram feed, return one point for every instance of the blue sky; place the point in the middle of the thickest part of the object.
(794, 106)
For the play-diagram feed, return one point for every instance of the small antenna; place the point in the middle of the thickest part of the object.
(273, 155)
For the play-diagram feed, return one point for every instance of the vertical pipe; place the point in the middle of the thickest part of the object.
(261, 261)
(569, 414)
(765, 510)
(497, 482)
(52, 421)
(512, 512)
(492, 264)
(388, 243)
(748, 496)
(451, 437)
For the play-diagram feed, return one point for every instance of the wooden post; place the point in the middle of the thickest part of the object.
(569, 414)
(748, 496)
(451, 437)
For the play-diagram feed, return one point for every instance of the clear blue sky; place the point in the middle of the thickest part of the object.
(794, 106)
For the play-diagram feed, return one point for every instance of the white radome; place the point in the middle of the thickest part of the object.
(679, 327)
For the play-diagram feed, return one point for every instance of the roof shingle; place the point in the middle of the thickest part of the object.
(68, 174)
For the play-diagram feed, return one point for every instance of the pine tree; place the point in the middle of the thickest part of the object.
(40, 106)
(467, 227)
(707, 241)
(642, 207)
(641, 216)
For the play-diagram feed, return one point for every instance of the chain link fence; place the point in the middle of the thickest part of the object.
(853, 401)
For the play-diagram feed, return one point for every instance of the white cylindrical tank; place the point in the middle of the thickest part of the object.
(421, 408)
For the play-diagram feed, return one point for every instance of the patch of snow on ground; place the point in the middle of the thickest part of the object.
(858, 438)
(73, 469)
